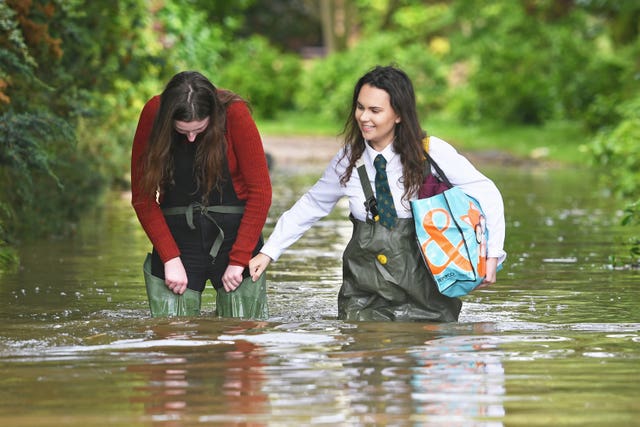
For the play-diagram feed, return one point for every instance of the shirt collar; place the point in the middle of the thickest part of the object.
(388, 153)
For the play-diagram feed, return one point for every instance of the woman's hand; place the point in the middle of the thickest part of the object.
(258, 265)
(232, 277)
(490, 278)
(175, 276)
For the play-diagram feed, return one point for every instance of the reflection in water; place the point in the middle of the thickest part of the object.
(460, 381)
(224, 385)
(163, 395)
(447, 380)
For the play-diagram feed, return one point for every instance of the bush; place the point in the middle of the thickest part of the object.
(616, 151)
(8, 255)
(632, 218)
(262, 74)
(8, 258)
(530, 68)
(607, 82)
(516, 81)
(327, 88)
(46, 180)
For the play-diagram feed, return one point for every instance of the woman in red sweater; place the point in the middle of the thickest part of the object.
(200, 184)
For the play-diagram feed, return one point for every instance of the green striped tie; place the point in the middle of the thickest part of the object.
(386, 209)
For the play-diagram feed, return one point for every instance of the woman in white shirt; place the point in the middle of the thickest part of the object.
(384, 277)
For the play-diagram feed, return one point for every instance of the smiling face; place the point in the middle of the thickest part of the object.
(191, 129)
(375, 116)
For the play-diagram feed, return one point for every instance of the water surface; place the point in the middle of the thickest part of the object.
(555, 342)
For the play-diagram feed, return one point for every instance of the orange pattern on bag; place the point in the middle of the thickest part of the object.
(475, 219)
(437, 236)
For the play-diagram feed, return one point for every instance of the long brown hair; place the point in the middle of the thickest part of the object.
(189, 96)
(408, 133)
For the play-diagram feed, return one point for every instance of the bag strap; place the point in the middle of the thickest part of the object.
(370, 203)
(430, 162)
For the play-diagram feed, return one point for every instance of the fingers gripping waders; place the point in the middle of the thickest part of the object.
(163, 302)
(248, 301)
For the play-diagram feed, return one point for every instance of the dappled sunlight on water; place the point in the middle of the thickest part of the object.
(555, 342)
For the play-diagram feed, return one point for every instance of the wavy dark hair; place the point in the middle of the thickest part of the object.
(408, 133)
(189, 96)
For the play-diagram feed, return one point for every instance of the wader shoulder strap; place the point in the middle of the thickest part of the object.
(370, 203)
(187, 211)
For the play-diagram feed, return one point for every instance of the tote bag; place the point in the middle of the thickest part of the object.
(452, 237)
(451, 233)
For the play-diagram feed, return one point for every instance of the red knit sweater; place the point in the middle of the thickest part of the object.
(249, 173)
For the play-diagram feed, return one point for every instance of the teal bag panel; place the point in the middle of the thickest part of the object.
(163, 302)
(452, 236)
(248, 301)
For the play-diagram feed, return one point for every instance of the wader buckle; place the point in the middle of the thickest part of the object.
(371, 206)
(205, 211)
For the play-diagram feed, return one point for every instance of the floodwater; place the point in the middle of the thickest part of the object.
(556, 342)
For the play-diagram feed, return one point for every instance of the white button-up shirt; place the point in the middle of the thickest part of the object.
(320, 200)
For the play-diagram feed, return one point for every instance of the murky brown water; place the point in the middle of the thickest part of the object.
(555, 342)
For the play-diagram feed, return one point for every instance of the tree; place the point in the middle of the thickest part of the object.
(57, 61)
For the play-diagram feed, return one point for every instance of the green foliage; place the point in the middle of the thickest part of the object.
(186, 49)
(327, 88)
(8, 258)
(610, 80)
(420, 21)
(261, 73)
(531, 62)
(113, 59)
(27, 141)
(14, 56)
(92, 50)
(631, 218)
(616, 151)
(522, 64)
(46, 181)
(251, 66)
(103, 44)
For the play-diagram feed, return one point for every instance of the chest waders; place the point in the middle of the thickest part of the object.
(163, 302)
(187, 218)
(384, 276)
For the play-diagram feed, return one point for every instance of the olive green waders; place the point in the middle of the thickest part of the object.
(385, 278)
(248, 301)
(163, 302)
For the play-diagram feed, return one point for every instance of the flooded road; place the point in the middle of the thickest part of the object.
(555, 342)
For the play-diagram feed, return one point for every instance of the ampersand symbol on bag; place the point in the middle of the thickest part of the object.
(437, 236)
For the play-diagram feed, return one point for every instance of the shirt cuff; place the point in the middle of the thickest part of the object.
(271, 251)
(500, 254)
